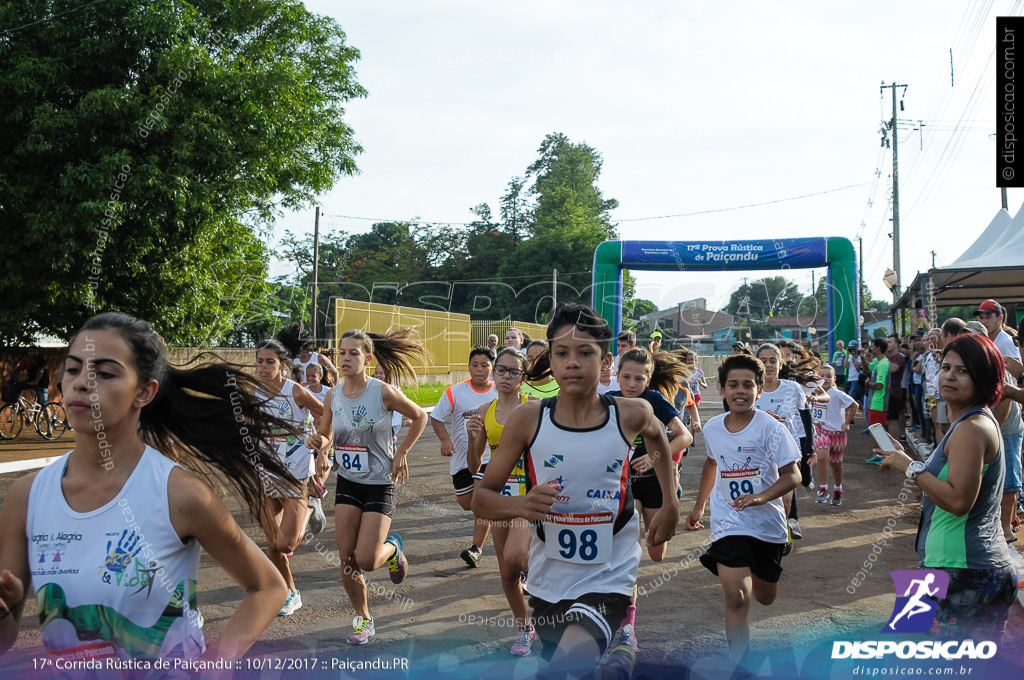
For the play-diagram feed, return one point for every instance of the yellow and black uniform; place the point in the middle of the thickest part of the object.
(516, 483)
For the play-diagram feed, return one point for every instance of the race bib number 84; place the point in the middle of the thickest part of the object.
(353, 459)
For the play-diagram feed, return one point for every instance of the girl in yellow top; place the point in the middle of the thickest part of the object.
(511, 538)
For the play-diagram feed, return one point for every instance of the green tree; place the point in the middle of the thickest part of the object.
(635, 309)
(817, 304)
(570, 219)
(147, 148)
(873, 305)
(765, 298)
(516, 211)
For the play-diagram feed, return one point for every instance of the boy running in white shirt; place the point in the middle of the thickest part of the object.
(831, 439)
(752, 462)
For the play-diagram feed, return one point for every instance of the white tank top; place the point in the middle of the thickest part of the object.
(116, 581)
(313, 359)
(593, 547)
(322, 394)
(290, 449)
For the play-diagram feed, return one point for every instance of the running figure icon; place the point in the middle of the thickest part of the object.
(916, 592)
(914, 605)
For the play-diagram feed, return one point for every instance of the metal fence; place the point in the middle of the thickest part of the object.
(445, 336)
(481, 329)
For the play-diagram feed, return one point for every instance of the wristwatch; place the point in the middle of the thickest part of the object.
(914, 469)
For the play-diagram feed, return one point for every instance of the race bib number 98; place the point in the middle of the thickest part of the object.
(580, 539)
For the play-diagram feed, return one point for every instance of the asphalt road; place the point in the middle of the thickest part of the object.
(448, 620)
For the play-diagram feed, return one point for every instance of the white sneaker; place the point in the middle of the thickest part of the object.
(292, 604)
(317, 519)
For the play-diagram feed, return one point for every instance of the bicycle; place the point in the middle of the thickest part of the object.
(50, 419)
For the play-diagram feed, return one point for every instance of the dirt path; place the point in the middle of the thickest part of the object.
(825, 591)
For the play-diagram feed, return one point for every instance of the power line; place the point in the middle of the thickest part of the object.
(44, 20)
(749, 205)
(627, 219)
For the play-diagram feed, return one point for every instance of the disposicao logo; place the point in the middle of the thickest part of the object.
(912, 612)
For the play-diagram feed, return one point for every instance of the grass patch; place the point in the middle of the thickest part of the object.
(425, 395)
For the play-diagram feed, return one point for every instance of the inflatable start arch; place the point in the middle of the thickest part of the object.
(611, 257)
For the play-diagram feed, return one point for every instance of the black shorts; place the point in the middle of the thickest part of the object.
(599, 613)
(764, 559)
(647, 490)
(479, 474)
(463, 482)
(895, 409)
(379, 498)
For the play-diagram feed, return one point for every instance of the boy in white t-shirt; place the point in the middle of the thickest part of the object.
(752, 462)
(833, 422)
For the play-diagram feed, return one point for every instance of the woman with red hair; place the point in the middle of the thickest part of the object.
(960, 532)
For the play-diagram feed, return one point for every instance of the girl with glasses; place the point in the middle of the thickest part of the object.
(511, 537)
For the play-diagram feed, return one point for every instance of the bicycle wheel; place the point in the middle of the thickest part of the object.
(52, 421)
(11, 422)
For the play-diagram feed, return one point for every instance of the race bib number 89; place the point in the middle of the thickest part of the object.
(735, 483)
(580, 539)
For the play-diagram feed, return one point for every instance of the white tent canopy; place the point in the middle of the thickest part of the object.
(991, 267)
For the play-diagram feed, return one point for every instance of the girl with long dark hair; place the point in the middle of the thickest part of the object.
(293, 403)
(131, 498)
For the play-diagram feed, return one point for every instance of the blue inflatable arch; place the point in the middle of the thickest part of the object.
(836, 253)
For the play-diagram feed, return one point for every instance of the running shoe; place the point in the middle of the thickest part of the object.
(837, 497)
(627, 637)
(874, 460)
(292, 604)
(865, 431)
(822, 495)
(317, 519)
(472, 555)
(619, 663)
(397, 566)
(363, 631)
(526, 637)
(794, 528)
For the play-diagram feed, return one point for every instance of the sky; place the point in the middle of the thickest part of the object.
(697, 109)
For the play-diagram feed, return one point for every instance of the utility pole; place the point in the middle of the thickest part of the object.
(316, 266)
(860, 286)
(554, 290)
(895, 200)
